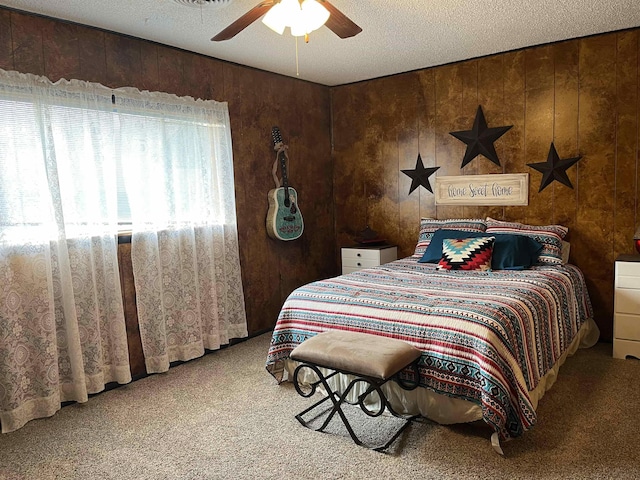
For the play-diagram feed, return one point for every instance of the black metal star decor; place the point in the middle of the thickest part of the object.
(480, 139)
(554, 168)
(420, 175)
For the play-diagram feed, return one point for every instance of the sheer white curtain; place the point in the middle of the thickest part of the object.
(179, 182)
(62, 329)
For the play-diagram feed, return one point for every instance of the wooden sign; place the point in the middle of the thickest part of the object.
(496, 189)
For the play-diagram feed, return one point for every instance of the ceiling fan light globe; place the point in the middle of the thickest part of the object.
(290, 11)
(314, 15)
(275, 19)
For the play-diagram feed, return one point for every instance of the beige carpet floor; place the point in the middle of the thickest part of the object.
(224, 417)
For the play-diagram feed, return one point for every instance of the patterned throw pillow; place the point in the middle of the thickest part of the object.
(549, 236)
(466, 254)
(428, 226)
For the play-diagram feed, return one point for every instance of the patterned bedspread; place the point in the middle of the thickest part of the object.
(486, 337)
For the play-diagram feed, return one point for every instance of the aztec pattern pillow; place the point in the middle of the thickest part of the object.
(428, 227)
(549, 236)
(466, 254)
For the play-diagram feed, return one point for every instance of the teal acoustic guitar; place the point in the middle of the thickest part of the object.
(284, 220)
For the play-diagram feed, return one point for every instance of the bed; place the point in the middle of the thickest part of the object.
(492, 341)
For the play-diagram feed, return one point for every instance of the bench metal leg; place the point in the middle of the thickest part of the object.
(338, 399)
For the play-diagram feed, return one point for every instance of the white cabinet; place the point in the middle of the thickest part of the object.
(626, 319)
(356, 258)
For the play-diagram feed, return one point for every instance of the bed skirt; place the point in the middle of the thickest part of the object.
(441, 408)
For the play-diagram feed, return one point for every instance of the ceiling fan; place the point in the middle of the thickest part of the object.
(274, 10)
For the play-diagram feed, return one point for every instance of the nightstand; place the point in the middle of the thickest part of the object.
(626, 316)
(360, 256)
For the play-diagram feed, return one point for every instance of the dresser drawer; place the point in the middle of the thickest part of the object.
(626, 348)
(359, 262)
(628, 268)
(627, 281)
(360, 254)
(627, 327)
(628, 275)
(627, 300)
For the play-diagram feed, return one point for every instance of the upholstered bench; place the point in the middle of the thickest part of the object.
(369, 359)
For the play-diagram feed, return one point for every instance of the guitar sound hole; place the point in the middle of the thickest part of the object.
(289, 218)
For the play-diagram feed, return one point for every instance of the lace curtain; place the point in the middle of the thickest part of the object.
(73, 168)
(184, 247)
(62, 329)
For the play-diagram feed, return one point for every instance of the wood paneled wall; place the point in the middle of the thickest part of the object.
(581, 94)
(257, 101)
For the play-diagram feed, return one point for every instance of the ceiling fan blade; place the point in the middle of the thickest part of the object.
(244, 21)
(339, 23)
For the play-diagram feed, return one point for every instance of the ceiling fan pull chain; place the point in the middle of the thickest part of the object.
(297, 70)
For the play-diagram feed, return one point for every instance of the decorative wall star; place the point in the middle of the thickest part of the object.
(420, 175)
(554, 168)
(480, 139)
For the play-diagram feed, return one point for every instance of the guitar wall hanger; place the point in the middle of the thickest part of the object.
(284, 219)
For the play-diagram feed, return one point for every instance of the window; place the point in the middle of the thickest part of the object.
(111, 163)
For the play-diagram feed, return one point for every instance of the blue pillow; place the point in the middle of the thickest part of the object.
(510, 251)
(514, 252)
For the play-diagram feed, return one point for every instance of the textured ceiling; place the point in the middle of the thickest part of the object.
(398, 35)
